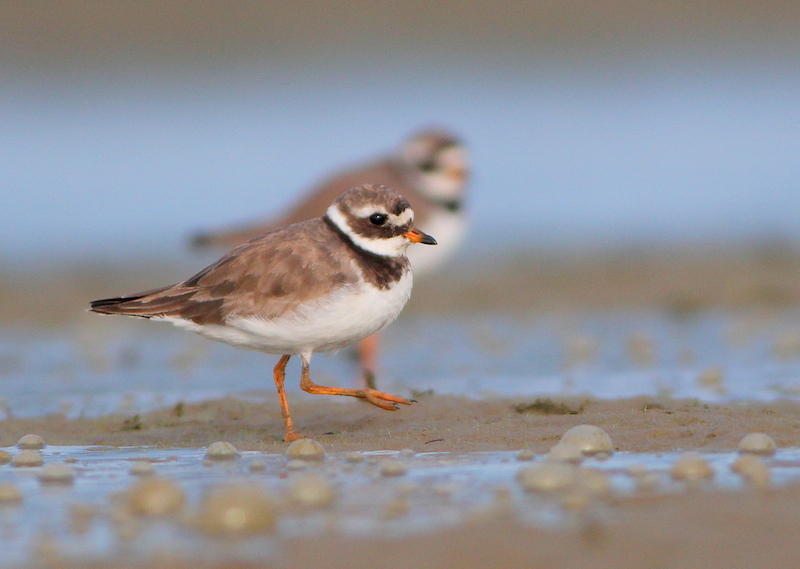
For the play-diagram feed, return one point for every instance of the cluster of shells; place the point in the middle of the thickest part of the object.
(248, 508)
(225, 509)
(561, 472)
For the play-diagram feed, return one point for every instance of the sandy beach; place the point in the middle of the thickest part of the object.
(433, 424)
(631, 232)
(708, 528)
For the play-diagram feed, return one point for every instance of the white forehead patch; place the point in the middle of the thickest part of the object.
(405, 217)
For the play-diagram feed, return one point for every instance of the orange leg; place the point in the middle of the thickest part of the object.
(377, 398)
(368, 357)
(280, 374)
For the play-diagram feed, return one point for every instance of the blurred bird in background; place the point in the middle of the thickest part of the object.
(430, 169)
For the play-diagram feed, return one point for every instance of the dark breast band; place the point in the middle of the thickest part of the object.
(378, 270)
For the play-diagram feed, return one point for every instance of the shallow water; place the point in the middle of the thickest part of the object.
(108, 365)
(437, 490)
(126, 366)
(105, 365)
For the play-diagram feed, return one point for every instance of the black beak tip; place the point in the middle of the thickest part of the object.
(428, 240)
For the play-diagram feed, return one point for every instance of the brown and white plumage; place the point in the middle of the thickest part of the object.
(272, 274)
(317, 285)
(430, 169)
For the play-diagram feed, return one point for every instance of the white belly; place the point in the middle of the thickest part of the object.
(347, 316)
(448, 229)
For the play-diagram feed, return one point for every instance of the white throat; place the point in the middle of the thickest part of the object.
(385, 247)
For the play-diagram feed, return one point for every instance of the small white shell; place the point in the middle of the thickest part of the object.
(237, 510)
(566, 452)
(312, 491)
(34, 442)
(589, 439)
(691, 467)
(753, 470)
(27, 458)
(758, 443)
(549, 476)
(221, 450)
(305, 449)
(57, 473)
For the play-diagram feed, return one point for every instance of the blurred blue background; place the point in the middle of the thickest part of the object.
(127, 126)
(627, 156)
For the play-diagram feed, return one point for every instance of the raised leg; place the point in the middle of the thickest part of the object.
(280, 375)
(368, 358)
(377, 398)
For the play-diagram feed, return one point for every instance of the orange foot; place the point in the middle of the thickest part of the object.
(381, 399)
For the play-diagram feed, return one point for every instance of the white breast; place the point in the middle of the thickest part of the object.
(326, 324)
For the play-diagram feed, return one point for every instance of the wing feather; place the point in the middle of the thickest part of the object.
(267, 277)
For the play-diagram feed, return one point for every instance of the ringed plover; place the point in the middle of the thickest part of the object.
(313, 286)
(430, 169)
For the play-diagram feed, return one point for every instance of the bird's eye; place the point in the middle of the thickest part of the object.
(377, 218)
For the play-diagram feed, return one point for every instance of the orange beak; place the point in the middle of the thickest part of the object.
(418, 236)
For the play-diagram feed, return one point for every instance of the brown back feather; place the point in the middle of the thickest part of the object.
(266, 277)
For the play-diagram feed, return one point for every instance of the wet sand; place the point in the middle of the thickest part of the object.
(709, 528)
(722, 529)
(688, 531)
(434, 423)
(712, 530)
